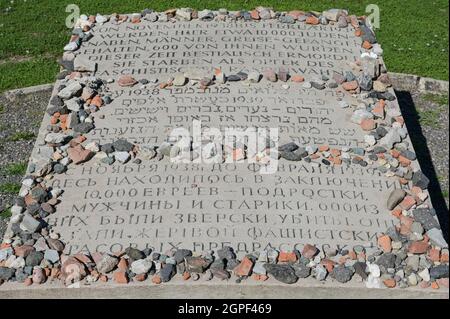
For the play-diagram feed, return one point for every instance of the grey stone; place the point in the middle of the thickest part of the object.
(301, 270)
(34, 258)
(141, 266)
(29, 223)
(107, 264)
(180, 254)
(83, 128)
(440, 271)
(424, 217)
(51, 255)
(437, 238)
(6, 273)
(387, 260)
(395, 198)
(282, 272)
(134, 253)
(167, 272)
(420, 180)
(342, 273)
(72, 89)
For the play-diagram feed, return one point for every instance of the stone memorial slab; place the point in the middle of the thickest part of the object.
(345, 170)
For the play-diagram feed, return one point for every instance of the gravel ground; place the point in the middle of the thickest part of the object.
(19, 124)
(426, 118)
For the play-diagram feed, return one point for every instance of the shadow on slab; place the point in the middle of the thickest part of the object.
(423, 154)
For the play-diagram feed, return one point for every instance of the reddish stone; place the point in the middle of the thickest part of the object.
(352, 255)
(140, 277)
(395, 153)
(55, 273)
(244, 268)
(39, 276)
(323, 148)
(390, 283)
(295, 14)
(309, 251)
(407, 202)
(442, 282)
(75, 75)
(312, 20)
(404, 161)
(28, 282)
(337, 160)
(263, 277)
(78, 154)
(434, 254)
(136, 20)
(97, 101)
(400, 120)
(255, 15)
(186, 275)
(314, 156)
(358, 32)
(350, 86)
(123, 264)
(384, 242)
(424, 284)
(23, 251)
(287, 257)
(379, 109)
(405, 224)
(328, 264)
(403, 181)
(335, 152)
(256, 277)
(126, 80)
(73, 270)
(354, 21)
(297, 78)
(85, 259)
(434, 285)
(53, 120)
(103, 278)
(444, 258)
(366, 45)
(368, 124)
(156, 279)
(121, 277)
(418, 247)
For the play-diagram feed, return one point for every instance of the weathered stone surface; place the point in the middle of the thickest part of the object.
(153, 202)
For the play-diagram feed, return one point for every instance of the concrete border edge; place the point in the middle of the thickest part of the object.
(411, 82)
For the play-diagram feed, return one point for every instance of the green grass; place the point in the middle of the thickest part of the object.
(15, 169)
(445, 193)
(439, 99)
(2, 109)
(430, 117)
(5, 213)
(10, 188)
(21, 136)
(414, 33)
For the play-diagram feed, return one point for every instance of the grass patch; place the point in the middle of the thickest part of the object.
(2, 109)
(28, 42)
(439, 99)
(10, 188)
(445, 193)
(21, 136)
(430, 117)
(15, 169)
(5, 213)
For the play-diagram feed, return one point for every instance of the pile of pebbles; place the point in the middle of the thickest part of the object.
(412, 253)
